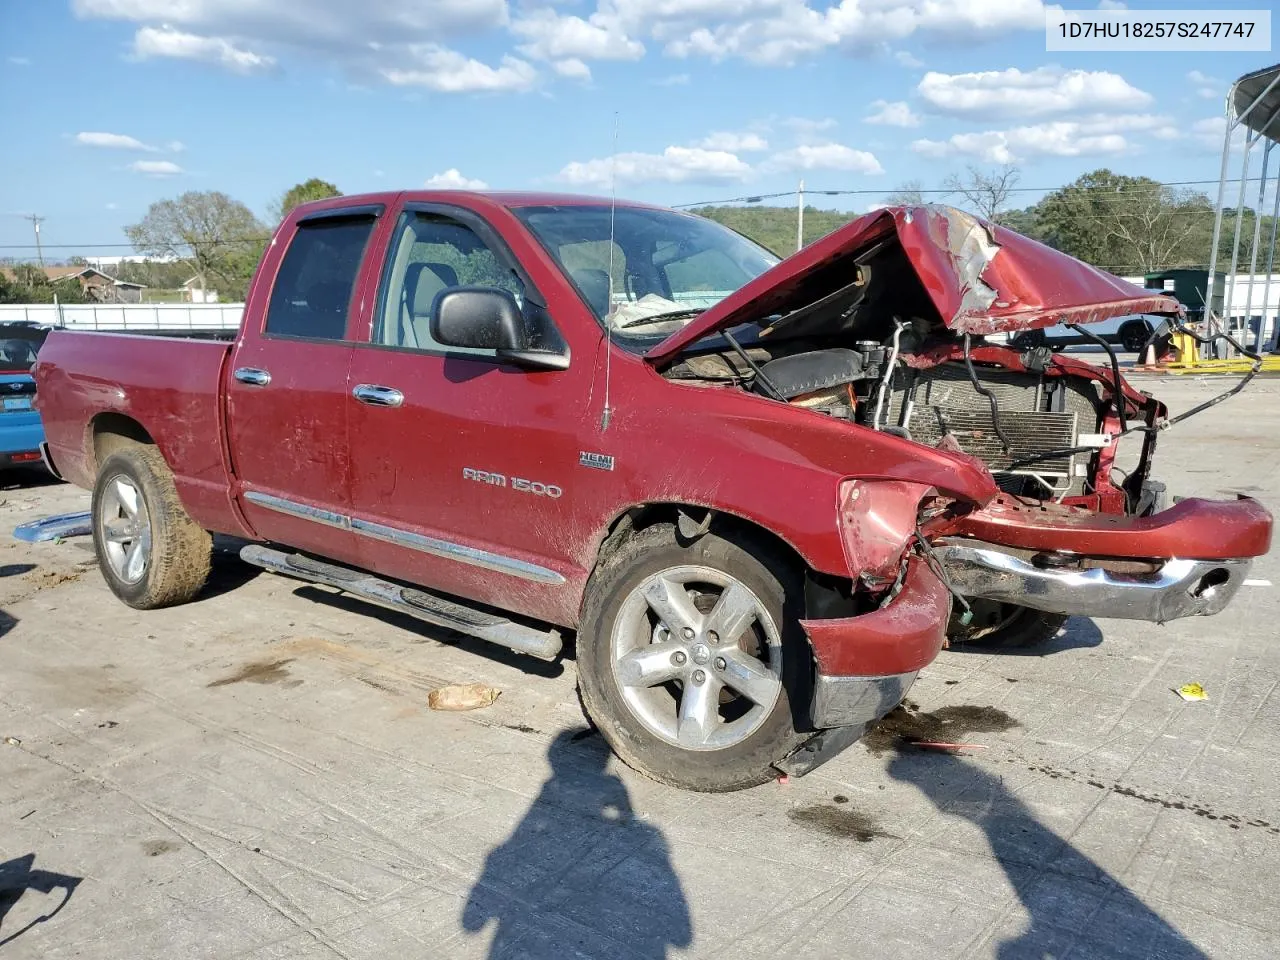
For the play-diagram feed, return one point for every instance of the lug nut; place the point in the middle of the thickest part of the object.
(713, 636)
(687, 633)
(678, 657)
(719, 663)
(699, 676)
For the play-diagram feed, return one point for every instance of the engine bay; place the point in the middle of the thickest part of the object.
(872, 350)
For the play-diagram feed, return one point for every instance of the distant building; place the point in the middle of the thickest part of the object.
(96, 285)
(192, 292)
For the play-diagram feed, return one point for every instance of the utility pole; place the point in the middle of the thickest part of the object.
(800, 217)
(35, 222)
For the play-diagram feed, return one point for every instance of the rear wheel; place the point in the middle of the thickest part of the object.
(690, 659)
(151, 553)
(1133, 336)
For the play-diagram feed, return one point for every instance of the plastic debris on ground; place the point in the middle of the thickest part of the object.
(462, 696)
(1192, 692)
(55, 528)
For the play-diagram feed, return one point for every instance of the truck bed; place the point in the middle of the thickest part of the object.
(170, 388)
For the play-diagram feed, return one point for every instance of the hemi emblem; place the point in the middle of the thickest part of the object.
(597, 461)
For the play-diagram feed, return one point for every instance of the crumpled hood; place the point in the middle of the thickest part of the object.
(982, 278)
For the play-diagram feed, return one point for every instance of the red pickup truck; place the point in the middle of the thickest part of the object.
(759, 495)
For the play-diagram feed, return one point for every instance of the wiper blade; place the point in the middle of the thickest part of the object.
(669, 315)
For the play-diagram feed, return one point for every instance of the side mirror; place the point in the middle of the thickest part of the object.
(482, 318)
(479, 318)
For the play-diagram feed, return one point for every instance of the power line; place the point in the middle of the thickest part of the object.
(942, 191)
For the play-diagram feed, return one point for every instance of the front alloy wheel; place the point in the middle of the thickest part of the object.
(691, 659)
(698, 657)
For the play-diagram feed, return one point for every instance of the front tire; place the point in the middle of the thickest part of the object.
(151, 553)
(691, 659)
(1008, 627)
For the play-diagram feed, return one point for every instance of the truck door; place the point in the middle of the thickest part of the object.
(460, 463)
(287, 397)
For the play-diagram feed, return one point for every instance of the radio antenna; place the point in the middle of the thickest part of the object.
(607, 413)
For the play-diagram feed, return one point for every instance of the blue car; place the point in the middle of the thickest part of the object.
(21, 432)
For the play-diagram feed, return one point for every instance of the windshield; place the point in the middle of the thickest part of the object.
(667, 267)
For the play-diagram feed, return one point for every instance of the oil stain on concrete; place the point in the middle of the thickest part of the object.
(838, 822)
(262, 671)
(907, 725)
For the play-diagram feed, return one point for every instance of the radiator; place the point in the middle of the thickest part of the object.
(1037, 414)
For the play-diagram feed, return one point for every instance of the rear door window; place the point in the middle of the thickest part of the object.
(313, 289)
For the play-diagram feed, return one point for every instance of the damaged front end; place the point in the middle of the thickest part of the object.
(890, 324)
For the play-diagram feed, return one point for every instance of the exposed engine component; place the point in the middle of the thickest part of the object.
(806, 373)
(1037, 414)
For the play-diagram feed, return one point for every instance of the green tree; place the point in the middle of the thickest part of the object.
(220, 237)
(305, 192)
(1127, 224)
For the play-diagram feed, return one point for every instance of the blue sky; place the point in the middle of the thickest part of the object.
(113, 104)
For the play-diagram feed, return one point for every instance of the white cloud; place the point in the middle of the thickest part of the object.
(1045, 91)
(734, 142)
(783, 32)
(316, 24)
(896, 113)
(826, 156)
(167, 42)
(113, 206)
(114, 141)
(906, 59)
(551, 36)
(672, 80)
(1210, 88)
(1211, 131)
(447, 71)
(573, 68)
(1100, 135)
(809, 130)
(156, 168)
(19, 61)
(1112, 5)
(451, 179)
(673, 165)
(365, 37)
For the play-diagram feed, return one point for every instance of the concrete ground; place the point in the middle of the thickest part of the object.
(257, 775)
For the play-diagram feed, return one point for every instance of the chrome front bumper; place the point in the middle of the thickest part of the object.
(857, 701)
(1179, 588)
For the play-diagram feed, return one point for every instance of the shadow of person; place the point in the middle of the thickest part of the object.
(580, 876)
(1075, 906)
(16, 878)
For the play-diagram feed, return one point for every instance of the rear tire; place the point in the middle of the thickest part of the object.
(675, 699)
(1133, 336)
(150, 551)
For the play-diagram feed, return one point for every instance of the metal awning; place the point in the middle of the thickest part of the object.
(1254, 104)
(1255, 101)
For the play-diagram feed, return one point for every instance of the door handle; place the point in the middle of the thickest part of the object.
(252, 375)
(377, 396)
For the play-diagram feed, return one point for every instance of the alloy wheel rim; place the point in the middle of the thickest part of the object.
(124, 528)
(697, 657)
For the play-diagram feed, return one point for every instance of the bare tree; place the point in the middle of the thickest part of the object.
(986, 192)
(220, 236)
(906, 194)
